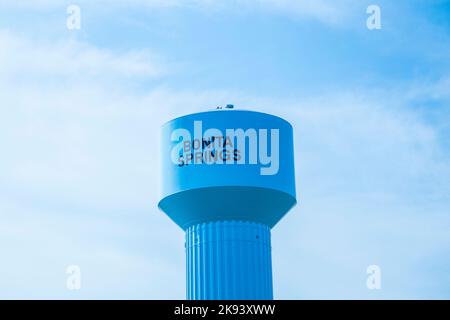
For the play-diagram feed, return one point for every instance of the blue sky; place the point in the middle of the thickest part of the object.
(81, 112)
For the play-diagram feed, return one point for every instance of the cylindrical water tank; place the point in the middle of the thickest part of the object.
(228, 178)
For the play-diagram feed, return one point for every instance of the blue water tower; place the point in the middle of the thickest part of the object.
(228, 178)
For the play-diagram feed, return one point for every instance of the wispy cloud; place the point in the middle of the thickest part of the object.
(325, 11)
(74, 176)
(69, 58)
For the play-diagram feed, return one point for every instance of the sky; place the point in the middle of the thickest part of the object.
(81, 111)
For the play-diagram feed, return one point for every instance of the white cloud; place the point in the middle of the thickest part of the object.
(23, 58)
(369, 168)
(438, 90)
(79, 176)
(325, 11)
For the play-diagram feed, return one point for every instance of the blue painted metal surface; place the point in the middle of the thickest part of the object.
(202, 192)
(228, 260)
(227, 197)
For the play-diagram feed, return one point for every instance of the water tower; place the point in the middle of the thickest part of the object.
(228, 178)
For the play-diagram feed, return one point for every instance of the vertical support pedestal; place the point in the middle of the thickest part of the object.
(228, 260)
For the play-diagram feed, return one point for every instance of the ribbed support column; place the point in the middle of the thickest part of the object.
(228, 260)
